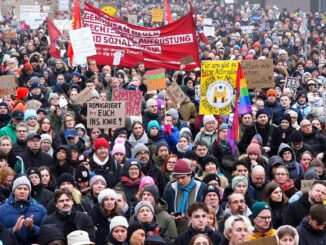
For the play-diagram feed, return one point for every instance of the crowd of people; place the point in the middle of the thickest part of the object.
(169, 176)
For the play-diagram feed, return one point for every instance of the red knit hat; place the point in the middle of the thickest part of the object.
(254, 147)
(22, 92)
(101, 142)
(28, 67)
(182, 167)
(271, 92)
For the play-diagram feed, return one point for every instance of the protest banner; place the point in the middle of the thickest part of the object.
(292, 83)
(268, 240)
(82, 42)
(217, 84)
(131, 97)
(83, 96)
(8, 85)
(161, 47)
(306, 184)
(156, 79)
(103, 115)
(157, 15)
(187, 60)
(258, 73)
(63, 25)
(176, 93)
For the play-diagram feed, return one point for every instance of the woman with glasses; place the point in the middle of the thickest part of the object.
(168, 166)
(282, 178)
(277, 200)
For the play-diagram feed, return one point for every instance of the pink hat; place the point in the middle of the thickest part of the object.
(254, 147)
(146, 180)
(119, 148)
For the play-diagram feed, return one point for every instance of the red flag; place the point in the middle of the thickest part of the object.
(199, 26)
(167, 13)
(76, 24)
(54, 34)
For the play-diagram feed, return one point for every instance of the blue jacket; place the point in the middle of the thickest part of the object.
(10, 212)
(171, 191)
(173, 139)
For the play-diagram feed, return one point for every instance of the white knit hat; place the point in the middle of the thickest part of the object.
(105, 193)
(23, 180)
(208, 118)
(118, 221)
(46, 137)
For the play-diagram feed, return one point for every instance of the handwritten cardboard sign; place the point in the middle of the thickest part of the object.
(109, 114)
(176, 93)
(271, 240)
(7, 85)
(306, 184)
(83, 96)
(131, 97)
(292, 83)
(258, 73)
(157, 15)
(82, 42)
(156, 79)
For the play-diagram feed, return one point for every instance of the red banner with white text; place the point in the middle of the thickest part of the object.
(123, 44)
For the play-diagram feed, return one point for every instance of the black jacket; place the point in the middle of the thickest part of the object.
(7, 237)
(185, 237)
(102, 225)
(19, 147)
(278, 212)
(309, 236)
(316, 140)
(42, 195)
(37, 159)
(297, 211)
(152, 170)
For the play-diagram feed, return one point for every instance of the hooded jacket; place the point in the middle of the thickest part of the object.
(58, 169)
(316, 140)
(185, 237)
(310, 236)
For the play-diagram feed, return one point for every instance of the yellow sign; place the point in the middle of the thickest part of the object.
(157, 15)
(109, 10)
(217, 87)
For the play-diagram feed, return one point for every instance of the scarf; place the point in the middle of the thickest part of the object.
(183, 203)
(183, 151)
(142, 140)
(126, 181)
(224, 145)
(287, 185)
(99, 162)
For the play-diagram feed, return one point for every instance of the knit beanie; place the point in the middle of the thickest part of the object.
(160, 144)
(239, 179)
(155, 240)
(131, 162)
(22, 92)
(191, 155)
(142, 204)
(29, 113)
(182, 166)
(258, 138)
(151, 102)
(106, 193)
(83, 158)
(286, 117)
(82, 174)
(96, 178)
(33, 170)
(311, 174)
(224, 126)
(260, 112)
(2, 103)
(254, 147)
(35, 82)
(210, 158)
(139, 147)
(210, 188)
(271, 92)
(65, 177)
(153, 123)
(119, 148)
(153, 190)
(208, 118)
(296, 136)
(146, 180)
(53, 95)
(257, 208)
(134, 227)
(22, 180)
(101, 142)
(50, 233)
(28, 67)
(118, 221)
(46, 137)
(173, 112)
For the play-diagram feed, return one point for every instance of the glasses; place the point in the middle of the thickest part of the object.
(306, 125)
(265, 217)
(142, 153)
(32, 118)
(21, 131)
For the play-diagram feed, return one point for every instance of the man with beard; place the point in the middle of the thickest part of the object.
(65, 218)
(296, 142)
(151, 113)
(271, 104)
(258, 181)
(296, 211)
(312, 229)
(5, 115)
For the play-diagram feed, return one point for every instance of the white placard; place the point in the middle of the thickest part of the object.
(247, 29)
(229, 1)
(117, 57)
(63, 25)
(82, 42)
(209, 31)
(207, 21)
(34, 20)
(64, 5)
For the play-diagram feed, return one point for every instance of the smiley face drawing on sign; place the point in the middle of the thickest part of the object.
(219, 94)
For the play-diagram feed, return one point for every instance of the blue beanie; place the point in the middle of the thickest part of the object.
(151, 124)
(29, 113)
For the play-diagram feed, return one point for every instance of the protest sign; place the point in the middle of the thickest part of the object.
(10, 35)
(306, 184)
(109, 10)
(217, 84)
(157, 15)
(131, 97)
(209, 31)
(132, 19)
(109, 114)
(268, 240)
(117, 57)
(7, 85)
(258, 73)
(83, 96)
(161, 47)
(156, 79)
(176, 93)
(207, 21)
(247, 29)
(197, 92)
(63, 25)
(64, 5)
(82, 42)
(293, 84)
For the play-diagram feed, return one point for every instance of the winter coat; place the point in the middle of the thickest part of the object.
(11, 211)
(277, 138)
(188, 111)
(208, 138)
(256, 234)
(150, 169)
(308, 236)
(172, 139)
(304, 109)
(130, 190)
(7, 237)
(298, 152)
(271, 108)
(70, 222)
(277, 115)
(19, 147)
(57, 169)
(278, 212)
(297, 211)
(316, 140)
(42, 195)
(9, 130)
(4, 119)
(37, 159)
(102, 225)
(185, 237)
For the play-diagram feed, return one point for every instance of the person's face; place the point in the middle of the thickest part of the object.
(102, 152)
(21, 133)
(5, 146)
(61, 79)
(58, 64)
(95, 133)
(237, 205)
(210, 126)
(147, 196)
(138, 130)
(119, 156)
(67, 185)
(286, 240)
(319, 227)
(64, 203)
(3, 163)
(70, 122)
(277, 195)
(32, 121)
(109, 203)
(319, 170)
(119, 233)
(103, 97)
(281, 176)
(46, 145)
(8, 181)
(262, 119)
(198, 219)
(153, 131)
(3, 110)
(168, 120)
(287, 156)
(35, 179)
(45, 177)
(210, 167)
(316, 124)
(145, 215)
(285, 124)
(162, 152)
(247, 119)
(258, 178)
(201, 150)
(285, 101)
(306, 159)
(183, 180)
(317, 194)
(263, 220)
(138, 237)
(201, 240)
(241, 170)
(241, 188)
(152, 109)
(133, 172)
(46, 125)
(238, 233)
(61, 155)
(143, 157)
(21, 193)
(171, 163)
(98, 186)
(302, 100)
(212, 199)
(82, 185)
(121, 202)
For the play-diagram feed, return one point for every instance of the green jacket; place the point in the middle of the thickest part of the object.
(9, 130)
